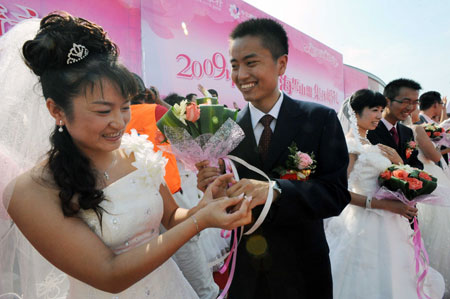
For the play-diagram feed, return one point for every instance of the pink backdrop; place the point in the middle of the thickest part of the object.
(186, 43)
(175, 45)
(354, 80)
(120, 18)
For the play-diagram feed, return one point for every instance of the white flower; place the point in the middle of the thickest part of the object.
(135, 143)
(405, 167)
(180, 111)
(151, 167)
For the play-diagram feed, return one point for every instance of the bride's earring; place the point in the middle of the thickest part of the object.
(60, 130)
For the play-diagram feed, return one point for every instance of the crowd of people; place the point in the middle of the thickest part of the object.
(92, 208)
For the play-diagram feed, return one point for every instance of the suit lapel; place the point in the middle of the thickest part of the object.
(384, 135)
(247, 149)
(284, 132)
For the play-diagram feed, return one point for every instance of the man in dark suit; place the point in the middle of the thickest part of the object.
(402, 97)
(287, 257)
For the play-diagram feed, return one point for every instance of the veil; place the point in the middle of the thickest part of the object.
(349, 123)
(25, 126)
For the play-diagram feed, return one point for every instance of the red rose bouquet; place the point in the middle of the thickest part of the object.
(299, 165)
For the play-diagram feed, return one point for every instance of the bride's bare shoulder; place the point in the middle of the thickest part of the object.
(30, 188)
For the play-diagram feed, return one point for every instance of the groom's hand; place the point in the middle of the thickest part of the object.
(257, 190)
(207, 174)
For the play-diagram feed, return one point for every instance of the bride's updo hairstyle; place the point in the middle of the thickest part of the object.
(62, 80)
(366, 98)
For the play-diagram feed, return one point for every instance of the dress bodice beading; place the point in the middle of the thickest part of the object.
(369, 164)
(133, 207)
(133, 212)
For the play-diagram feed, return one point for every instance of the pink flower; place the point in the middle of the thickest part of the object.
(192, 112)
(412, 144)
(304, 160)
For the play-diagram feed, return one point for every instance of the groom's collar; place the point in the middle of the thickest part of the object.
(388, 125)
(256, 114)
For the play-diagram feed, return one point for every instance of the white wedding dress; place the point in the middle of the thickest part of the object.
(134, 209)
(435, 225)
(371, 251)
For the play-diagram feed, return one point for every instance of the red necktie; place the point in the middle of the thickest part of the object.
(264, 141)
(394, 135)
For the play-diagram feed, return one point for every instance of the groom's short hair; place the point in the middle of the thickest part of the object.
(392, 90)
(272, 34)
(428, 99)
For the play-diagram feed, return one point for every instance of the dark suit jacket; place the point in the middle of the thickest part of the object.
(290, 252)
(422, 120)
(405, 134)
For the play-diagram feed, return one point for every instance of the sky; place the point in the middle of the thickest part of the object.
(390, 39)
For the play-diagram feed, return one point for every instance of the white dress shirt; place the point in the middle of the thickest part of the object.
(256, 115)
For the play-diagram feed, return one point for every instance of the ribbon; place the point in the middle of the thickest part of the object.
(421, 258)
(420, 253)
(231, 168)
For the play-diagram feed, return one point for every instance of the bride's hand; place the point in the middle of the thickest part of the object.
(216, 189)
(390, 153)
(398, 207)
(216, 214)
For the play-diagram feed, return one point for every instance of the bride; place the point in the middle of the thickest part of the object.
(434, 219)
(93, 207)
(371, 250)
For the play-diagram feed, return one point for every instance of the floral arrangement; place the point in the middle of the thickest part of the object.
(200, 132)
(411, 146)
(434, 131)
(299, 165)
(410, 181)
(150, 165)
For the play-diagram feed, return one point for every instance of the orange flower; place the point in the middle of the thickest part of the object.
(437, 133)
(159, 137)
(192, 112)
(408, 153)
(386, 175)
(429, 134)
(424, 176)
(401, 174)
(414, 184)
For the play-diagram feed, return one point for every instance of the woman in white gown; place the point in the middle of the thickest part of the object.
(434, 220)
(371, 250)
(92, 209)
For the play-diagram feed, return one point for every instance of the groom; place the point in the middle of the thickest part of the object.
(402, 96)
(287, 257)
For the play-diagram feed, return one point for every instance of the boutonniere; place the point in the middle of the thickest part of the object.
(410, 148)
(299, 165)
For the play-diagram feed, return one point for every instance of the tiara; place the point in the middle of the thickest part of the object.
(77, 53)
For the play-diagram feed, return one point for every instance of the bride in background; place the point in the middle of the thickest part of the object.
(434, 220)
(371, 250)
(91, 209)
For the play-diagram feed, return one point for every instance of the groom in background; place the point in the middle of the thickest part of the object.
(402, 96)
(287, 257)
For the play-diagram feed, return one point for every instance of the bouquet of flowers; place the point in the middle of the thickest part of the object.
(438, 135)
(299, 165)
(410, 182)
(434, 131)
(410, 186)
(200, 132)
